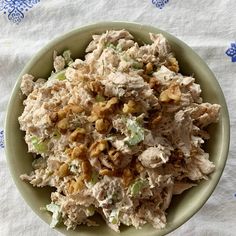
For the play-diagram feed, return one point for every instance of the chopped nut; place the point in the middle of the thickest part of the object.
(96, 86)
(173, 93)
(92, 118)
(63, 125)
(68, 151)
(70, 186)
(106, 161)
(129, 107)
(146, 78)
(79, 152)
(106, 172)
(149, 68)
(102, 109)
(156, 120)
(78, 135)
(72, 108)
(86, 170)
(53, 117)
(127, 177)
(98, 109)
(76, 186)
(102, 125)
(112, 102)
(63, 170)
(172, 64)
(115, 156)
(153, 82)
(61, 114)
(139, 167)
(164, 96)
(97, 147)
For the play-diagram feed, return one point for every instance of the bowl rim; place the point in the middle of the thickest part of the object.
(100, 24)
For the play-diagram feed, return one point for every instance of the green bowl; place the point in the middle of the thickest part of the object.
(182, 207)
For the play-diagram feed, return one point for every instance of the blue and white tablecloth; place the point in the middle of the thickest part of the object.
(207, 26)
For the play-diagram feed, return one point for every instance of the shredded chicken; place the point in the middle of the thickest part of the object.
(117, 134)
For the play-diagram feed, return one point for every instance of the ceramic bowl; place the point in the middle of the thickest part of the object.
(182, 207)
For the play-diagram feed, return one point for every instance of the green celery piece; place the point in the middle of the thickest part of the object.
(67, 56)
(110, 45)
(94, 178)
(114, 221)
(40, 146)
(90, 211)
(61, 75)
(114, 216)
(137, 187)
(56, 134)
(137, 132)
(100, 98)
(56, 214)
(137, 65)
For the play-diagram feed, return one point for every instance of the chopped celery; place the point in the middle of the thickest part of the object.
(61, 76)
(56, 214)
(100, 98)
(56, 134)
(94, 178)
(137, 187)
(115, 47)
(114, 221)
(67, 56)
(90, 211)
(39, 145)
(110, 45)
(136, 132)
(137, 65)
(114, 216)
(119, 48)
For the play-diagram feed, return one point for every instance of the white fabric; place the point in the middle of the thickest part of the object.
(207, 26)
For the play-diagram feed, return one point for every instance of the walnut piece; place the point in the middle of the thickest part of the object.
(102, 109)
(115, 156)
(102, 125)
(96, 87)
(97, 147)
(79, 152)
(76, 186)
(86, 169)
(139, 167)
(129, 107)
(172, 64)
(127, 177)
(149, 68)
(173, 93)
(153, 83)
(63, 170)
(106, 172)
(63, 125)
(78, 135)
